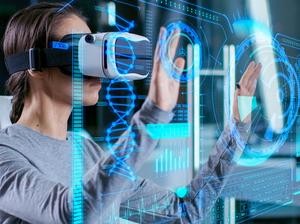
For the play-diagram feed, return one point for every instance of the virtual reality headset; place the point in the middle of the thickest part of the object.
(104, 55)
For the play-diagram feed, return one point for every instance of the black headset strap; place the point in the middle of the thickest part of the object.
(36, 59)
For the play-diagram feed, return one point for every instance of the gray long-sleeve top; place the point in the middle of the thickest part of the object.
(35, 179)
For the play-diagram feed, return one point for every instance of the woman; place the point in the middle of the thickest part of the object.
(35, 152)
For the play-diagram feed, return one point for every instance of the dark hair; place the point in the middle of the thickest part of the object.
(32, 27)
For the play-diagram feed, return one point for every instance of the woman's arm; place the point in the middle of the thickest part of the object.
(137, 140)
(152, 203)
(28, 194)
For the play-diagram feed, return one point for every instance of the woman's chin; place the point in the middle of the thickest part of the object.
(90, 101)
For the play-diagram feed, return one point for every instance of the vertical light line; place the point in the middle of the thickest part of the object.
(298, 137)
(183, 158)
(171, 161)
(166, 160)
(194, 58)
(187, 157)
(229, 89)
(77, 141)
(161, 163)
(111, 13)
(232, 79)
(179, 162)
(297, 170)
(259, 10)
(226, 104)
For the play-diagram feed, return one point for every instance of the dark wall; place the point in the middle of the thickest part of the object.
(7, 9)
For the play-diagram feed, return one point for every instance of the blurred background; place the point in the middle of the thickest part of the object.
(231, 33)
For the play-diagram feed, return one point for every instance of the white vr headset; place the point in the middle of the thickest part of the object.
(104, 55)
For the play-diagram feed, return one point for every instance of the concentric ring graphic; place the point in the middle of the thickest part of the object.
(187, 33)
(268, 137)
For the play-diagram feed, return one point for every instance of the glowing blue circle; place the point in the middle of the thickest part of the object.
(181, 192)
(253, 156)
(167, 62)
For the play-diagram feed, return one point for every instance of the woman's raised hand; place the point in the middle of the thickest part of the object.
(246, 87)
(164, 90)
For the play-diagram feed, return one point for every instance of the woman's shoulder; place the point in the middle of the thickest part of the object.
(11, 141)
(18, 134)
(10, 134)
(24, 139)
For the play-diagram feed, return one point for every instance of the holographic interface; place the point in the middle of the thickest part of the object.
(217, 48)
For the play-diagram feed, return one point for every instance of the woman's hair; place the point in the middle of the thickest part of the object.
(32, 27)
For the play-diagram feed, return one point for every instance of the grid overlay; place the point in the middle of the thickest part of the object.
(77, 141)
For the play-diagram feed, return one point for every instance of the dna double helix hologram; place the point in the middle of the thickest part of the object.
(122, 24)
(120, 137)
(122, 105)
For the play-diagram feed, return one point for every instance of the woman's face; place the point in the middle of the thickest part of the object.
(58, 84)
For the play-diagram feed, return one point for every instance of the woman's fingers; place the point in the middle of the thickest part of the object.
(174, 41)
(156, 61)
(175, 84)
(249, 79)
(172, 48)
(158, 44)
(247, 74)
(179, 63)
(252, 83)
(235, 105)
(256, 73)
